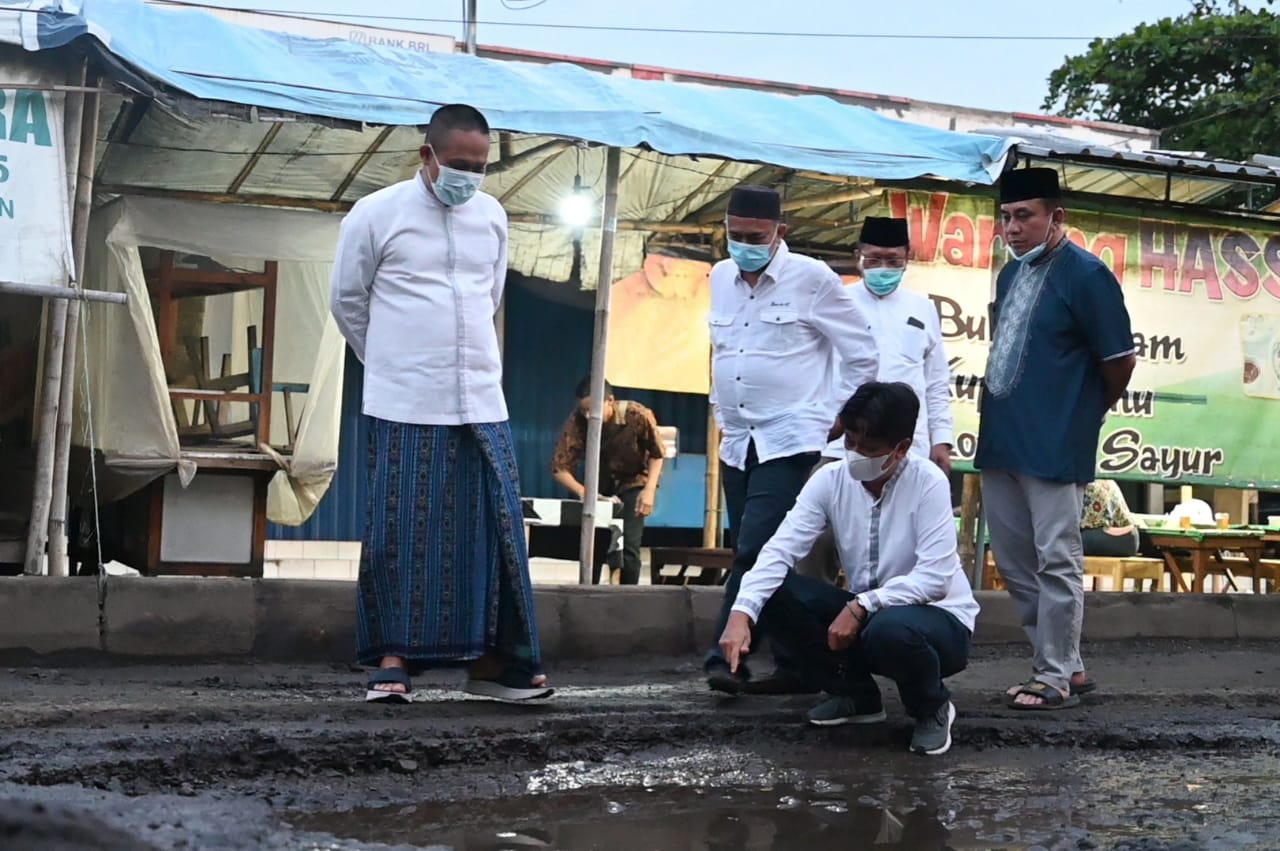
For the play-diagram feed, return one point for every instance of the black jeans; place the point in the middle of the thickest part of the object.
(1097, 542)
(628, 559)
(757, 499)
(915, 646)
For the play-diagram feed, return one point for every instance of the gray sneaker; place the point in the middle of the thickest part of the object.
(847, 710)
(933, 734)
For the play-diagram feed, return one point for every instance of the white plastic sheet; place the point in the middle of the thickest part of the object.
(133, 417)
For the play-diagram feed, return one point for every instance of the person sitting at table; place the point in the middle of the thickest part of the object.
(1106, 529)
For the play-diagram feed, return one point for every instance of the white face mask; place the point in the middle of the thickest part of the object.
(864, 469)
(1033, 253)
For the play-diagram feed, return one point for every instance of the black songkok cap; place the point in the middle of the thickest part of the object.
(755, 202)
(1025, 184)
(885, 233)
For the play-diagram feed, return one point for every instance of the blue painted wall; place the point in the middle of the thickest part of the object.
(547, 350)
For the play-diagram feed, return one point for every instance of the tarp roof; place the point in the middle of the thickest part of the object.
(214, 111)
(196, 53)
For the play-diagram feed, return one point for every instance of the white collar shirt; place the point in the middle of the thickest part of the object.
(908, 336)
(898, 550)
(786, 355)
(414, 291)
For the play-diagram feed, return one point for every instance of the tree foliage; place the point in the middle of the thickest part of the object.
(1208, 79)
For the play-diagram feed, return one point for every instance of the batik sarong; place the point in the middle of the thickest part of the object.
(444, 572)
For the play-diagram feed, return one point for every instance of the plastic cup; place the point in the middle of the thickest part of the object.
(1273, 520)
(1184, 522)
(1222, 519)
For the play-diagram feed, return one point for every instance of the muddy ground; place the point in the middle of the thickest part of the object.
(1171, 753)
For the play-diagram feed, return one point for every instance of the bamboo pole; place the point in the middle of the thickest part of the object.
(51, 391)
(82, 204)
(970, 509)
(595, 419)
(63, 293)
(711, 525)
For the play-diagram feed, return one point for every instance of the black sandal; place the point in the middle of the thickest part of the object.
(1088, 686)
(1053, 699)
(389, 676)
(513, 685)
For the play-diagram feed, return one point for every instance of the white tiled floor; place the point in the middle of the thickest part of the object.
(340, 561)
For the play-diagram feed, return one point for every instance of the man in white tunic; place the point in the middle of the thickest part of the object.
(909, 612)
(444, 575)
(908, 335)
(788, 349)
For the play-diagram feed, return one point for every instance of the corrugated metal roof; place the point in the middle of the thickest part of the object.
(1177, 176)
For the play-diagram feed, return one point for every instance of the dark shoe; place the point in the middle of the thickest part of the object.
(847, 710)
(721, 679)
(389, 677)
(933, 733)
(513, 685)
(781, 681)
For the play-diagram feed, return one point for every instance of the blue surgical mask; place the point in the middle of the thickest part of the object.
(751, 257)
(882, 280)
(455, 187)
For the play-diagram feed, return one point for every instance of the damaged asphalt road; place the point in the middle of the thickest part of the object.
(214, 755)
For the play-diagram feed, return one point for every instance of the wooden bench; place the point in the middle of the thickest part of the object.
(1118, 569)
(1268, 572)
(712, 565)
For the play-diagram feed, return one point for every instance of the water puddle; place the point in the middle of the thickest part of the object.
(1038, 800)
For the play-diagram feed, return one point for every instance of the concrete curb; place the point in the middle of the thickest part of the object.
(295, 620)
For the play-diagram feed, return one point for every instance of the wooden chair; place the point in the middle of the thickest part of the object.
(209, 420)
(291, 419)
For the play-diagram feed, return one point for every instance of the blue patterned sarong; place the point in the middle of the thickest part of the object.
(444, 573)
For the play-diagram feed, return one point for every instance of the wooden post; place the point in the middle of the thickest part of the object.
(970, 509)
(51, 391)
(711, 525)
(82, 203)
(595, 419)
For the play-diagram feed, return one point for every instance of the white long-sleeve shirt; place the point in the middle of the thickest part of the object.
(415, 288)
(909, 337)
(898, 550)
(786, 356)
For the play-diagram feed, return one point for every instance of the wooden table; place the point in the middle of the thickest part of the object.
(1270, 534)
(1205, 547)
(713, 565)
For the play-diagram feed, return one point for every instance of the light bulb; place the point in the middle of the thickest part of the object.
(576, 209)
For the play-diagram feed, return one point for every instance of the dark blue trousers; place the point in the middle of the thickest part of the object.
(757, 499)
(915, 646)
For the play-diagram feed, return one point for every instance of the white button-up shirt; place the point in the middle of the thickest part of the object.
(908, 335)
(415, 288)
(785, 356)
(898, 550)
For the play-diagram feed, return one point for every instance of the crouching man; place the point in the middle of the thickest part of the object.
(909, 612)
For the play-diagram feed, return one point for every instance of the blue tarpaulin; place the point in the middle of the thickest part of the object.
(205, 57)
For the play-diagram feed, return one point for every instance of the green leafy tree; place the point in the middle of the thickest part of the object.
(1208, 79)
